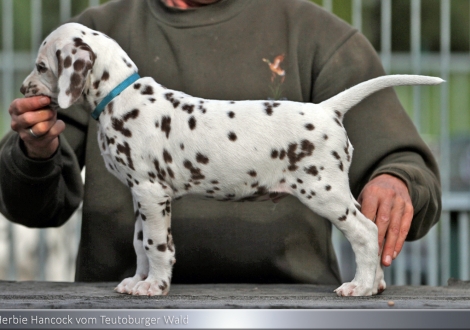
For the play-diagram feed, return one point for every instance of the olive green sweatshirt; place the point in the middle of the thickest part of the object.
(237, 50)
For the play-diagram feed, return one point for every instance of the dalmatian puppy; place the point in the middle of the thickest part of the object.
(165, 144)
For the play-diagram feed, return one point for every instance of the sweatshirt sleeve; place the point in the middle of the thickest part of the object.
(43, 193)
(382, 134)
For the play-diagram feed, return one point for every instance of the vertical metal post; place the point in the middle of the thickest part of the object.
(65, 10)
(445, 247)
(445, 140)
(36, 26)
(416, 265)
(464, 246)
(357, 14)
(7, 67)
(36, 34)
(416, 58)
(432, 269)
(416, 68)
(336, 238)
(386, 34)
(8, 79)
(399, 265)
(328, 5)
(445, 64)
(93, 3)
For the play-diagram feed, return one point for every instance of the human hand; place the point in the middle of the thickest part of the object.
(37, 125)
(386, 201)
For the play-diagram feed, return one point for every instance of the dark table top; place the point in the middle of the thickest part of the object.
(67, 295)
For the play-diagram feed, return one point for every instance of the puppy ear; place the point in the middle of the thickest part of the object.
(74, 64)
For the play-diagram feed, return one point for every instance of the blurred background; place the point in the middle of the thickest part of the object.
(429, 37)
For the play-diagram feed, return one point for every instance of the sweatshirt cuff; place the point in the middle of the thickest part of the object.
(394, 171)
(404, 173)
(32, 169)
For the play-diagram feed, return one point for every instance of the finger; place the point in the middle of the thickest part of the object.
(43, 132)
(20, 106)
(40, 129)
(404, 229)
(33, 118)
(46, 131)
(393, 231)
(383, 219)
(57, 128)
(44, 146)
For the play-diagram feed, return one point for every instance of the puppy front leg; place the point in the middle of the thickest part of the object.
(155, 212)
(142, 270)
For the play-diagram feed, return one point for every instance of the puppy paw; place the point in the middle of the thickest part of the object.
(151, 287)
(128, 284)
(350, 289)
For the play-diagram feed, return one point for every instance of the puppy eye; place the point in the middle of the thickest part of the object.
(41, 67)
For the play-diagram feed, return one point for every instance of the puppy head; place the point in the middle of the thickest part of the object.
(63, 65)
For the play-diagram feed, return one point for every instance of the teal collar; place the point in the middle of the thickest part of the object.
(115, 92)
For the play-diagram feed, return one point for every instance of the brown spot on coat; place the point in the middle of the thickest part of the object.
(311, 170)
(110, 107)
(67, 62)
(148, 90)
(78, 65)
(126, 150)
(167, 157)
(188, 108)
(195, 172)
(306, 147)
(192, 123)
(60, 63)
(105, 75)
(133, 114)
(232, 136)
(169, 97)
(166, 125)
(118, 125)
(200, 158)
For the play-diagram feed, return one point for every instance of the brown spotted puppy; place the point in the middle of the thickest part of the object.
(164, 144)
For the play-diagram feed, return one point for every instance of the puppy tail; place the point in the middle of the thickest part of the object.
(344, 101)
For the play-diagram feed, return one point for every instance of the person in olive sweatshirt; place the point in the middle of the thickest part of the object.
(234, 50)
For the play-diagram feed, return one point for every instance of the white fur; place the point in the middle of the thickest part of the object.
(280, 147)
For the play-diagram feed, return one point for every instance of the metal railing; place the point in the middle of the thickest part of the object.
(443, 253)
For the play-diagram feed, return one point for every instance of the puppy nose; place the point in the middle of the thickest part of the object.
(23, 89)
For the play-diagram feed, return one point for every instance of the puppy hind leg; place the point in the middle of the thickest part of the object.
(340, 209)
(379, 283)
(363, 236)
